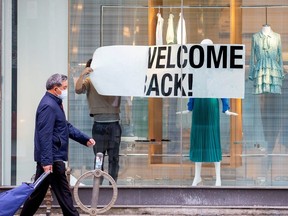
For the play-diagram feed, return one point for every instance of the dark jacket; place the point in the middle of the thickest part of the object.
(52, 132)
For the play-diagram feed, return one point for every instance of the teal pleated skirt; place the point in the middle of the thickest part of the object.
(205, 144)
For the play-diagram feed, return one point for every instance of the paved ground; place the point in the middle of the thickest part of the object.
(186, 211)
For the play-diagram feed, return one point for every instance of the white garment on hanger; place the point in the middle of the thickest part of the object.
(180, 31)
(170, 30)
(159, 29)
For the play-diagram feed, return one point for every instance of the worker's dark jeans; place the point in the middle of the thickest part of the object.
(108, 138)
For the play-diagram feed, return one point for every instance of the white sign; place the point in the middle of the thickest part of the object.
(191, 70)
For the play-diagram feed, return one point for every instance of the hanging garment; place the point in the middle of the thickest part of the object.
(170, 36)
(181, 30)
(266, 65)
(173, 133)
(159, 29)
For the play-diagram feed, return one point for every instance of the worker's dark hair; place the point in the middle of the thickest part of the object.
(88, 63)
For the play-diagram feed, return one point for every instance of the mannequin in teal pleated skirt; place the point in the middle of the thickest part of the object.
(205, 144)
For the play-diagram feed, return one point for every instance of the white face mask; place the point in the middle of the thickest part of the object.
(63, 94)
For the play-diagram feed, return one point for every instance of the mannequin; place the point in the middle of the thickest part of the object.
(267, 74)
(205, 132)
(213, 152)
(266, 71)
(266, 29)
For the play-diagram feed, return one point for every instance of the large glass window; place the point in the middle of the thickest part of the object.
(253, 145)
(60, 36)
(265, 115)
(146, 158)
(36, 49)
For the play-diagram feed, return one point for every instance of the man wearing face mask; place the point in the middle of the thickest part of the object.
(52, 133)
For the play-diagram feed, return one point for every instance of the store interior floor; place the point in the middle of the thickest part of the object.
(145, 163)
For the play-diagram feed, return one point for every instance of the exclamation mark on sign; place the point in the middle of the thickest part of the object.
(145, 88)
(190, 85)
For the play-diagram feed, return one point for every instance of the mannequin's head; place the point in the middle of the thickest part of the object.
(207, 41)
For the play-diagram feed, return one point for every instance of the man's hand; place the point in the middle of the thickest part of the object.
(227, 112)
(48, 168)
(91, 142)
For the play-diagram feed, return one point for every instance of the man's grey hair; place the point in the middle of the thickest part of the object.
(55, 80)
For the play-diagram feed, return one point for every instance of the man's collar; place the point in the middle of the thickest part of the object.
(58, 100)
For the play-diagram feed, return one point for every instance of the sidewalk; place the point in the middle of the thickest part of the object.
(178, 211)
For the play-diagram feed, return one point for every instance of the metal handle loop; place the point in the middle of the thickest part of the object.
(96, 173)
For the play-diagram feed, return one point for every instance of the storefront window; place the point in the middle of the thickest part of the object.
(155, 143)
(247, 155)
(264, 115)
(38, 49)
(145, 158)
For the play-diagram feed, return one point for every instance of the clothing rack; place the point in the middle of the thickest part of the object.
(193, 6)
(264, 6)
(185, 7)
(164, 7)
